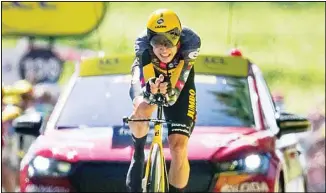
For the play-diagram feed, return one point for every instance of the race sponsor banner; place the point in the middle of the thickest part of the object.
(55, 19)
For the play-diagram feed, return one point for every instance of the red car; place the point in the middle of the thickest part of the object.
(236, 144)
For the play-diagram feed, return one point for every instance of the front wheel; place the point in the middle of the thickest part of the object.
(156, 177)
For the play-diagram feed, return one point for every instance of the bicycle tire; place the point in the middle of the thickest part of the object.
(154, 181)
(166, 177)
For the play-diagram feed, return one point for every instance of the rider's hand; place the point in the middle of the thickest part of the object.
(163, 88)
(159, 85)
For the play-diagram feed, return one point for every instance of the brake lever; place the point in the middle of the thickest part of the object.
(125, 120)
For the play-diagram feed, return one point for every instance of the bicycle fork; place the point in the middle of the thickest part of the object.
(156, 145)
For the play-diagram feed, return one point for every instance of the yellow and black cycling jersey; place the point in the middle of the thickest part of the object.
(147, 65)
(180, 71)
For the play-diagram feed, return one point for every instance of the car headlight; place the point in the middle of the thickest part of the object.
(41, 163)
(250, 163)
(42, 166)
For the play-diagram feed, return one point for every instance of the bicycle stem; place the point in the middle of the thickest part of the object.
(159, 112)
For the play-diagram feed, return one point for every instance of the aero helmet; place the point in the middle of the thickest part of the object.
(164, 28)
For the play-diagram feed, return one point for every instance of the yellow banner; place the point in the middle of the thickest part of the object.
(57, 19)
(205, 64)
(106, 65)
(222, 65)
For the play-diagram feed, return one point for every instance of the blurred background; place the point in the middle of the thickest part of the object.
(285, 39)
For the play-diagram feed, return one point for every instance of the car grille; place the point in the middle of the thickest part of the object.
(111, 176)
(201, 176)
(99, 176)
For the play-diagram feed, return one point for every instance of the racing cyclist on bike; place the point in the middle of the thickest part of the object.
(165, 55)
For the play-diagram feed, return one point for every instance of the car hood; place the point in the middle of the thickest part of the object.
(115, 143)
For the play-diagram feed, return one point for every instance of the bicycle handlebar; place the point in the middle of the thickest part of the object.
(126, 120)
(160, 101)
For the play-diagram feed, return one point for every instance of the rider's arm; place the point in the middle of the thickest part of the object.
(138, 84)
(190, 49)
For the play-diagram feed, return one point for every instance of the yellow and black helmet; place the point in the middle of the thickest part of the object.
(164, 27)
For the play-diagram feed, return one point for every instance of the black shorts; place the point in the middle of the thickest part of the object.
(183, 112)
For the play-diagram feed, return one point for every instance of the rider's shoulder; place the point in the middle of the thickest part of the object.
(189, 38)
(142, 36)
(142, 41)
(142, 47)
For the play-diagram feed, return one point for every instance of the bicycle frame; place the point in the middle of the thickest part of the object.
(157, 139)
(156, 142)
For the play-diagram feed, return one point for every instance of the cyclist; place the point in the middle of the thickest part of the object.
(165, 55)
(20, 94)
(8, 173)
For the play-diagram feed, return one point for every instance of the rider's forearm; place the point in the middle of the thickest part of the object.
(138, 84)
(173, 97)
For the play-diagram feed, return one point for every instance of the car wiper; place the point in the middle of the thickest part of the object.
(71, 126)
(66, 127)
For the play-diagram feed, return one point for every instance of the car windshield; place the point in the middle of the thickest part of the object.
(100, 101)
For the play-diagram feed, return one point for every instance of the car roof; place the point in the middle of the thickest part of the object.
(205, 64)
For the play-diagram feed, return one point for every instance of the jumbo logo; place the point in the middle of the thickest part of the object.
(192, 104)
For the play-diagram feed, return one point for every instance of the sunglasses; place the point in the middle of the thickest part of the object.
(168, 39)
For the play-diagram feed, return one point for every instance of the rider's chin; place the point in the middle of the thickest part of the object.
(165, 59)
